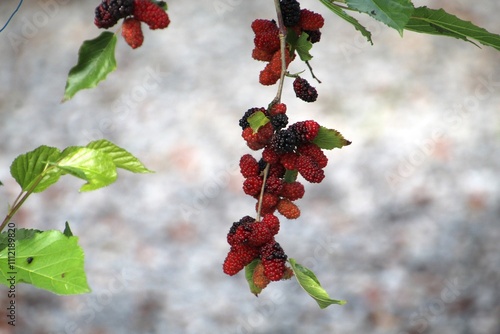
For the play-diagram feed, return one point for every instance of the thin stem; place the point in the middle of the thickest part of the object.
(261, 196)
(19, 201)
(282, 36)
(312, 73)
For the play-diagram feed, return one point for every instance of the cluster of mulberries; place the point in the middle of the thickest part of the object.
(267, 42)
(285, 148)
(250, 240)
(267, 48)
(134, 12)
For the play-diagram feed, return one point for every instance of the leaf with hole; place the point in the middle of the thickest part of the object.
(48, 260)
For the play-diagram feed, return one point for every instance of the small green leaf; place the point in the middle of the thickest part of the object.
(162, 4)
(257, 119)
(1, 184)
(394, 13)
(30, 167)
(337, 10)
(329, 139)
(93, 166)
(299, 44)
(249, 269)
(96, 59)
(121, 158)
(67, 230)
(439, 22)
(310, 283)
(290, 175)
(48, 260)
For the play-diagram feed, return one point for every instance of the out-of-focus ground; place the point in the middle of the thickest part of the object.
(405, 226)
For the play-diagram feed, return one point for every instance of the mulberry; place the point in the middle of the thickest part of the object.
(273, 259)
(309, 169)
(293, 191)
(132, 32)
(284, 141)
(288, 209)
(238, 257)
(279, 121)
(252, 185)
(315, 152)
(259, 278)
(304, 91)
(151, 14)
(305, 131)
(290, 10)
(109, 12)
(277, 109)
(310, 20)
(249, 166)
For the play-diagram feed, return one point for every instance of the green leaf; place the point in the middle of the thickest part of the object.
(121, 158)
(162, 4)
(299, 44)
(338, 10)
(329, 139)
(290, 175)
(439, 22)
(249, 269)
(67, 230)
(96, 59)
(394, 13)
(310, 283)
(34, 166)
(93, 166)
(48, 260)
(257, 119)
(15, 234)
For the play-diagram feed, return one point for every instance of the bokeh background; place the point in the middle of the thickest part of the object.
(405, 226)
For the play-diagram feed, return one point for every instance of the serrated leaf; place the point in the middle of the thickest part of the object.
(310, 283)
(249, 269)
(67, 230)
(93, 166)
(96, 59)
(394, 13)
(342, 14)
(329, 139)
(257, 119)
(121, 158)
(439, 22)
(299, 44)
(48, 260)
(28, 168)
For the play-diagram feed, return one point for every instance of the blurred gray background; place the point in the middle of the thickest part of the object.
(405, 226)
